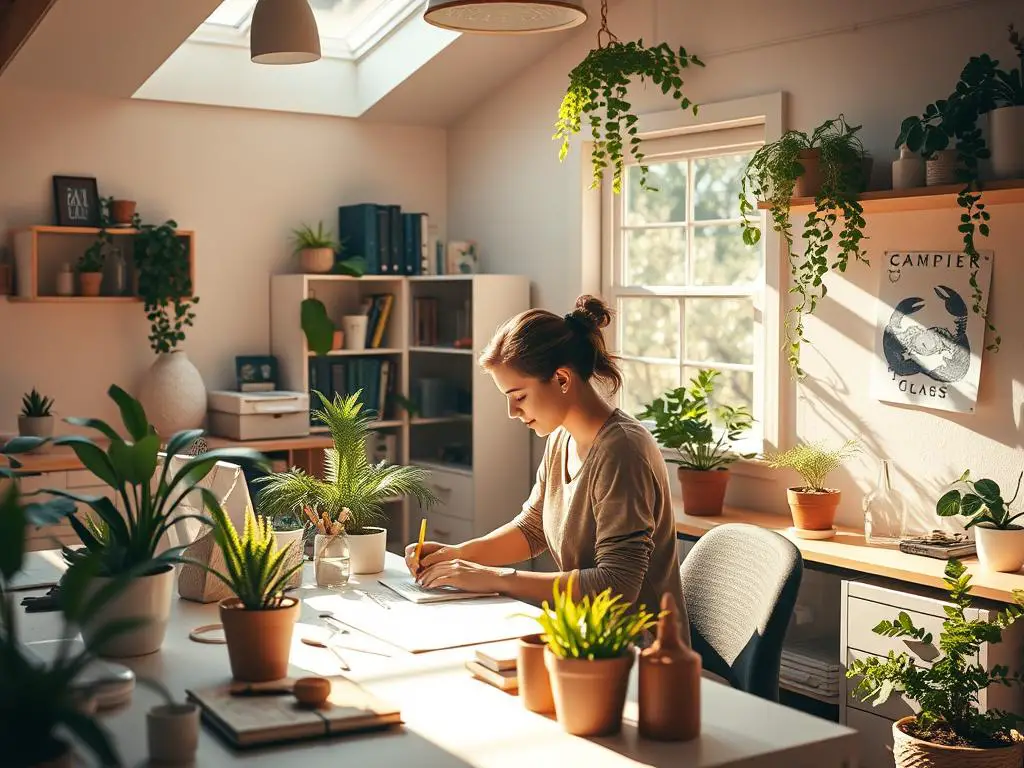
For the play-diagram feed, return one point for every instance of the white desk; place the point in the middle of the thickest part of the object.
(454, 721)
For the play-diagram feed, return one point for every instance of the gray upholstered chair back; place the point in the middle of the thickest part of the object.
(740, 584)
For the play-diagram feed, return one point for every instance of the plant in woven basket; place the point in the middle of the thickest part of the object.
(35, 405)
(814, 462)
(599, 91)
(947, 689)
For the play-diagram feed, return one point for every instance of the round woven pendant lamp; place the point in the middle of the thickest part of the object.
(283, 32)
(502, 17)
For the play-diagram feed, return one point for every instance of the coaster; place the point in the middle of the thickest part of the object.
(803, 533)
(198, 635)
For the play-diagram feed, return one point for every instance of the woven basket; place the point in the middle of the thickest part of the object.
(198, 584)
(910, 752)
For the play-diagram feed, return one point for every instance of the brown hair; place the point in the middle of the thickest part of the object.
(536, 343)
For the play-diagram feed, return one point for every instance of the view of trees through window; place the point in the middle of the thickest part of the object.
(684, 283)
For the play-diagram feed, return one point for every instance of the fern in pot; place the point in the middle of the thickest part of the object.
(813, 504)
(353, 491)
(999, 538)
(703, 436)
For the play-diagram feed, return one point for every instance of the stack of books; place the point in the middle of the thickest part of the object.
(496, 664)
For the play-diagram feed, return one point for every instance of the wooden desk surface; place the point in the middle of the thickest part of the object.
(849, 550)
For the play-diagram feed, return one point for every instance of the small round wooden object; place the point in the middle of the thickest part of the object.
(312, 692)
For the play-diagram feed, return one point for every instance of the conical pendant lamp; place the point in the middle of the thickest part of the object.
(283, 32)
(502, 17)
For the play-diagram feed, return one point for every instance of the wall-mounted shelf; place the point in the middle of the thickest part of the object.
(360, 352)
(76, 299)
(924, 198)
(443, 350)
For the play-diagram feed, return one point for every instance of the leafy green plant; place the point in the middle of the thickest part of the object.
(307, 237)
(685, 421)
(165, 282)
(602, 627)
(93, 258)
(599, 89)
(317, 325)
(771, 176)
(350, 480)
(947, 690)
(982, 502)
(35, 405)
(813, 462)
(127, 540)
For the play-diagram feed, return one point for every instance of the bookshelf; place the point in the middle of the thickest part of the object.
(479, 460)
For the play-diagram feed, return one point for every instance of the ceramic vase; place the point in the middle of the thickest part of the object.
(1006, 139)
(908, 171)
(146, 598)
(173, 394)
(367, 550)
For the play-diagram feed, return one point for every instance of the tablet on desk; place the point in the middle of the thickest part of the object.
(410, 590)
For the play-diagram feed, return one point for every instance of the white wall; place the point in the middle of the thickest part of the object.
(876, 62)
(242, 179)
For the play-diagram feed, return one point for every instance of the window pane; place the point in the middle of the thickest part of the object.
(716, 186)
(643, 382)
(720, 257)
(720, 330)
(665, 205)
(649, 327)
(655, 256)
(733, 388)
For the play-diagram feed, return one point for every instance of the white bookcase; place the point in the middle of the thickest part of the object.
(478, 458)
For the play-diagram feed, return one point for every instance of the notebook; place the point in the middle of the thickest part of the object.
(248, 721)
(410, 590)
(499, 657)
(506, 680)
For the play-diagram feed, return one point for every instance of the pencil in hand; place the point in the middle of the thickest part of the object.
(419, 544)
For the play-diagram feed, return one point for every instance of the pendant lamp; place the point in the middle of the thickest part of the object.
(502, 17)
(283, 32)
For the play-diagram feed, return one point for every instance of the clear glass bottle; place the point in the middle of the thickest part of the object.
(885, 510)
(331, 563)
(118, 273)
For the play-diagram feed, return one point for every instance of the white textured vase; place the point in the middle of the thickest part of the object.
(146, 599)
(366, 550)
(173, 394)
(1006, 132)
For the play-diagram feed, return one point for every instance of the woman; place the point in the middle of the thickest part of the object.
(601, 503)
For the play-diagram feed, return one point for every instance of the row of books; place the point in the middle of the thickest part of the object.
(374, 377)
(377, 308)
(391, 241)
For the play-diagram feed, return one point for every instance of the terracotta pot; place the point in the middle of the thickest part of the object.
(319, 260)
(122, 211)
(1000, 549)
(911, 752)
(808, 183)
(534, 680)
(338, 341)
(89, 283)
(36, 426)
(259, 642)
(703, 491)
(60, 756)
(147, 599)
(589, 695)
(813, 511)
(366, 550)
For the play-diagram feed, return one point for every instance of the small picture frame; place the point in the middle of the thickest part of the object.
(462, 258)
(76, 201)
(256, 373)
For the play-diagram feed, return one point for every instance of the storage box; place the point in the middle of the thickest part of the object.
(258, 415)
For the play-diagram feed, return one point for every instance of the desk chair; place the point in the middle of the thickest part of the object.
(740, 584)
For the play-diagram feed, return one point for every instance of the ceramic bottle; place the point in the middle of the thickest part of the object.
(669, 692)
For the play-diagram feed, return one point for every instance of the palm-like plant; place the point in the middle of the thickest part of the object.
(350, 480)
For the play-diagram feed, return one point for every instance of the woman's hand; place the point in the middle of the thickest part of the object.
(460, 574)
(433, 552)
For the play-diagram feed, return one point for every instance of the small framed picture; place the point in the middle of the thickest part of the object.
(76, 201)
(256, 373)
(462, 258)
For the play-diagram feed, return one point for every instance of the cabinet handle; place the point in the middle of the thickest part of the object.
(442, 534)
(442, 488)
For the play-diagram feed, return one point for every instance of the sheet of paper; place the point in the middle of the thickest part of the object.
(40, 570)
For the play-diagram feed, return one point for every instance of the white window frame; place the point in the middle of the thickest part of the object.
(771, 386)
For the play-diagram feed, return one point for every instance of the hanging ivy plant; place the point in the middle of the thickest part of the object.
(165, 283)
(598, 92)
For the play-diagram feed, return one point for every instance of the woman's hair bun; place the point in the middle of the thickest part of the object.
(592, 311)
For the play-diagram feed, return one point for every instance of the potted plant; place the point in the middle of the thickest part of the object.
(315, 248)
(289, 534)
(90, 268)
(122, 212)
(350, 482)
(949, 731)
(830, 166)
(129, 540)
(35, 419)
(598, 92)
(999, 539)
(589, 655)
(259, 620)
(685, 421)
(813, 504)
(1006, 118)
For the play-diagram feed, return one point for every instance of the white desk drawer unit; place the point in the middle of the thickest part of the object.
(447, 529)
(454, 491)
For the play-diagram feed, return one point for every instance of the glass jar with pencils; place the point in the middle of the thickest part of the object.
(331, 560)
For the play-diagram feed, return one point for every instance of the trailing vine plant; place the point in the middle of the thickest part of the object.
(165, 282)
(598, 91)
(771, 176)
(93, 258)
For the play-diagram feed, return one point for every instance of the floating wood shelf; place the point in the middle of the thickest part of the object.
(78, 299)
(924, 198)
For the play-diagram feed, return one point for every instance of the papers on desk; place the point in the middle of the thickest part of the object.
(410, 590)
(40, 570)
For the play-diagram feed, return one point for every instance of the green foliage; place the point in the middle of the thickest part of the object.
(601, 627)
(35, 405)
(306, 237)
(982, 502)
(598, 91)
(93, 258)
(165, 282)
(126, 541)
(771, 176)
(350, 480)
(684, 421)
(813, 462)
(947, 691)
(317, 325)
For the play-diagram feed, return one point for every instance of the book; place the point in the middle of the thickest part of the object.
(410, 590)
(499, 657)
(506, 680)
(937, 550)
(248, 721)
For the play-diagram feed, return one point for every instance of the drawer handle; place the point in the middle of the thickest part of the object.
(442, 534)
(442, 488)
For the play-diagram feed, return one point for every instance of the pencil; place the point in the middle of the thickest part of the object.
(419, 544)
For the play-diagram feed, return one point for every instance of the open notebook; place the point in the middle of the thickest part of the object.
(410, 590)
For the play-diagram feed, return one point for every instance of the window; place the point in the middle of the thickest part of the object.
(689, 293)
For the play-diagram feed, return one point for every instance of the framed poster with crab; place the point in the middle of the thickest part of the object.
(928, 340)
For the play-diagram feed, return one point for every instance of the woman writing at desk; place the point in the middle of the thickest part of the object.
(600, 504)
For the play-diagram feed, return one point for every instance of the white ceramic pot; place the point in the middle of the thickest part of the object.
(1006, 142)
(172, 733)
(353, 327)
(366, 550)
(1000, 550)
(908, 171)
(316, 259)
(173, 394)
(294, 538)
(147, 598)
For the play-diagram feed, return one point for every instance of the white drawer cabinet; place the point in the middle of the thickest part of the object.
(81, 482)
(454, 491)
(447, 529)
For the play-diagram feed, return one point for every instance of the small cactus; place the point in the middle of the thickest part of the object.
(34, 405)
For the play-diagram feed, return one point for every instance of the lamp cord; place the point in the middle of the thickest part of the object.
(604, 27)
